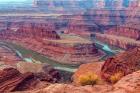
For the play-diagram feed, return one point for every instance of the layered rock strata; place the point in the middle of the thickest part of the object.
(12, 80)
(128, 84)
(125, 31)
(43, 38)
(124, 63)
(73, 51)
(118, 41)
(8, 57)
(17, 30)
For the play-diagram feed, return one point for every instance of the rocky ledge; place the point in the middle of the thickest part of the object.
(13, 80)
(124, 63)
(128, 84)
(119, 74)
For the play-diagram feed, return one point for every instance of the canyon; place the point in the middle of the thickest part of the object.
(43, 78)
(43, 38)
(70, 46)
(57, 34)
(125, 37)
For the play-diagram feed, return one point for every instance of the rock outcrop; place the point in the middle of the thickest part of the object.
(12, 80)
(87, 68)
(27, 82)
(130, 83)
(124, 63)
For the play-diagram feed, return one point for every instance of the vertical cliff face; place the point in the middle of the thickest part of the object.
(42, 38)
(130, 32)
(78, 26)
(29, 29)
(100, 20)
(125, 36)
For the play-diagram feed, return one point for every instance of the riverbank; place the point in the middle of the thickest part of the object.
(39, 57)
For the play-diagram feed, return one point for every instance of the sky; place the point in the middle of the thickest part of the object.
(16, 1)
(12, 0)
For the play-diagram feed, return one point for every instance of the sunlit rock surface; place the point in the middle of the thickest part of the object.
(87, 68)
(128, 84)
(124, 63)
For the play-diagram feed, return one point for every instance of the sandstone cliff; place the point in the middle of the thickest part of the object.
(130, 32)
(42, 38)
(128, 84)
(12, 80)
(16, 30)
(118, 41)
(127, 63)
(124, 63)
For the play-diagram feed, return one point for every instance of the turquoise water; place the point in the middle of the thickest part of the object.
(36, 57)
(107, 48)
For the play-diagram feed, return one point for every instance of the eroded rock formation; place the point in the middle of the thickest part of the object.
(124, 63)
(130, 32)
(17, 30)
(42, 38)
(27, 82)
(128, 84)
(125, 35)
(118, 41)
(12, 80)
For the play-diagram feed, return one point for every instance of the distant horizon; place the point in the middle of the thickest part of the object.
(15, 1)
(12, 0)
